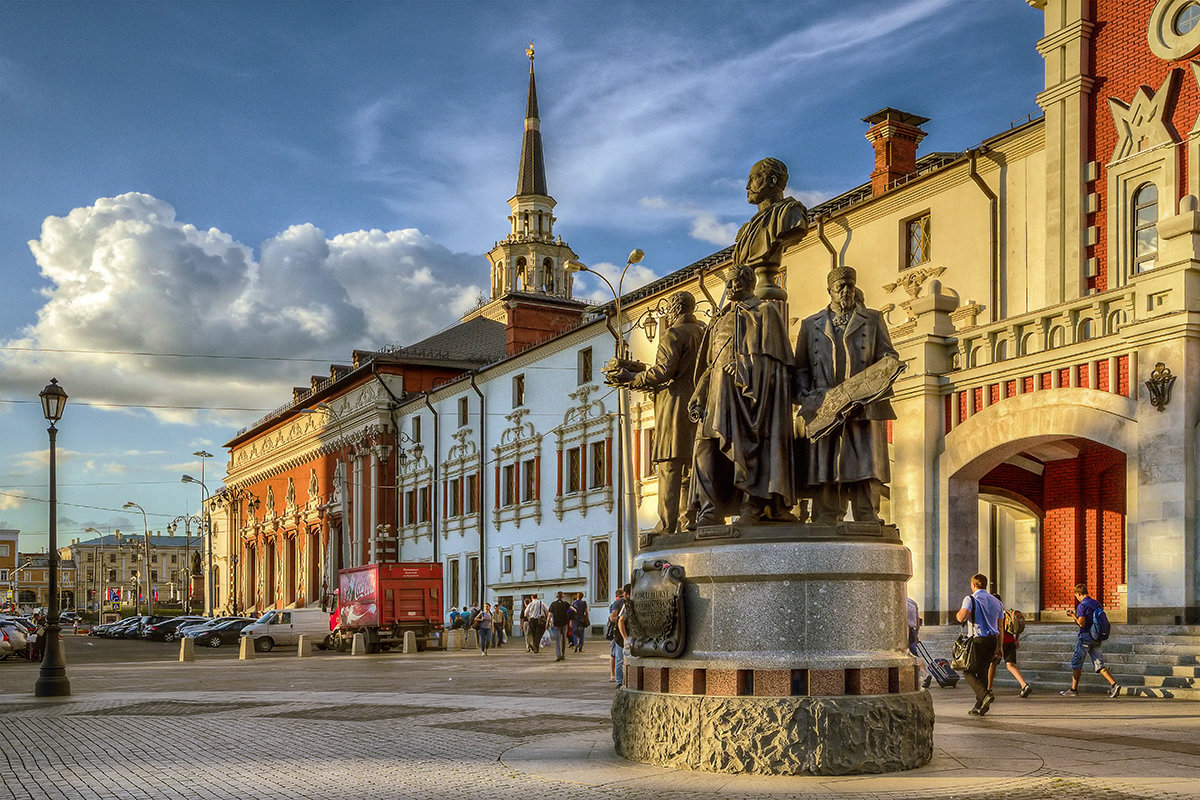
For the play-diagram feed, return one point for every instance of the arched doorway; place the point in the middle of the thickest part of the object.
(1038, 490)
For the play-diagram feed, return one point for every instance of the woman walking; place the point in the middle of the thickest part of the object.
(483, 631)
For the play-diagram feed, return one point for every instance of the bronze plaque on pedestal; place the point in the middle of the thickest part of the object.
(655, 615)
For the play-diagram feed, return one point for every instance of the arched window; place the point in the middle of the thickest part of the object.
(548, 275)
(1145, 227)
(521, 278)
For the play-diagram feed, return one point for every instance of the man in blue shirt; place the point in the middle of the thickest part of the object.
(982, 612)
(1085, 645)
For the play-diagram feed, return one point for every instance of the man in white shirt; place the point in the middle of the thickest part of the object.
(982, 612)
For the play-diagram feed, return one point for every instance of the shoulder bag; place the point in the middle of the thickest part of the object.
(962, 654)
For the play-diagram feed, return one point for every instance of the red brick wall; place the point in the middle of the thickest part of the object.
(1017, 481)
(1123, 62)
(1083, 528)
(528, 325)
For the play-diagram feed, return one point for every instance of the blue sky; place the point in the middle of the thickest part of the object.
(294, 180)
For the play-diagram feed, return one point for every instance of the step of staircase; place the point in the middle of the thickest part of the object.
(1147, 660)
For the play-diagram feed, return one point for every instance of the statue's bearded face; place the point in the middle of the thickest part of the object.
(739, 282)
(841, 294)
(763, 184)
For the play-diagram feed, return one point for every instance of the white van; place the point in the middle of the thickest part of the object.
(285, 625)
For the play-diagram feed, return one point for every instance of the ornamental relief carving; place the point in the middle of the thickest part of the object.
(1143, 123)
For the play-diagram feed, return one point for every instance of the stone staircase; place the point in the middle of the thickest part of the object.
(1147, 660)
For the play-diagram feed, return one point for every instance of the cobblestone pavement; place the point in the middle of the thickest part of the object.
(454, 725)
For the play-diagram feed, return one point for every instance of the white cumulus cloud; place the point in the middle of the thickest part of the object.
(126, 275)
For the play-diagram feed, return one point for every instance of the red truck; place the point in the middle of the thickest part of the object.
(385, 600)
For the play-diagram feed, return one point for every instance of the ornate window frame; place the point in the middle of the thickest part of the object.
(462, 460)
(585, 423)
(414, 474)
(518, 443)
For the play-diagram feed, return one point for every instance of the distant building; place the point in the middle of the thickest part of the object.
(107, 572)
(29, 583)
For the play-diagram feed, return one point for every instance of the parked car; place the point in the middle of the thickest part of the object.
(168, 629)
(283, 627)
(222, 631)
(15, 635)
(117, 630)
(188, 628)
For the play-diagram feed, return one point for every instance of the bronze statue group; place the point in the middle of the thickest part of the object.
(752, 425)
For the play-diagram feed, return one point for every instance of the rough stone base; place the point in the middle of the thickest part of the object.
(775, 735)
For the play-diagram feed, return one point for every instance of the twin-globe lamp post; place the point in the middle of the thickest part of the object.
(52, 679)
(625, 510)
(208, 582)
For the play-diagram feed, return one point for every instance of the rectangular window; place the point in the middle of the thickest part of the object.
(585, 367)
(454, 585)
(529, 480)
(416, 429)
(918, 241)
(518, 389)
(112, 558)
(410, 507)
(452, 500)
(4, 551)
(89, 556)
(648, 456)
(472, 491)
(571, 558)
(473, 568)
(531, 561)
(154, 558)
(599, 470)
(575, 469)
(4, 576)
(425, 504)
(153, 576)
(510, 484)
(112, 575)
(506, 563)
(91, 576)
(462, 412)
(175, 559)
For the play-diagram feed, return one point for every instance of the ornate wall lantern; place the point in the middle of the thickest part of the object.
(1160, 383)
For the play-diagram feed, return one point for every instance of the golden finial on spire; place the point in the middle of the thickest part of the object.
(529, 51)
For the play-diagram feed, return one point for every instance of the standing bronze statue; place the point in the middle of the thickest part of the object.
(743, 402)
(845, 365)
(759, 242)
(672, 379)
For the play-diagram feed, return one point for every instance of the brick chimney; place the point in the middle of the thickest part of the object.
(529, 321)
(894, 135)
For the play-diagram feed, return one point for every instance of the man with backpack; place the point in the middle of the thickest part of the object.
(580, 621)
(1093, 631)
(535, 624)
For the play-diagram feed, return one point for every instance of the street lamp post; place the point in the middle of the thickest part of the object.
(52, 679)
(186, 583)
(208, 582)
(146, 554)
(625, 510)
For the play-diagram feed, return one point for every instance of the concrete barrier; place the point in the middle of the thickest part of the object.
(303, 648)
(472, 638)
(187, 649)
(245, 648)
(453, 639)
(358, 645)
(410, 642)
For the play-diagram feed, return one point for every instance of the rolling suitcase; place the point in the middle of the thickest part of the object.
(938, 668)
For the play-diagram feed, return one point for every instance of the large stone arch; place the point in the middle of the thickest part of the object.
(1002, 431)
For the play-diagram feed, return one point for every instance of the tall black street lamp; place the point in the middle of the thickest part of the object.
(52, 679)
(145, 555)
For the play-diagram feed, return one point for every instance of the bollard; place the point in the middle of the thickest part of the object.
(472, 639)
(410, 642)
(187, 649)
(358, 645)
(453, 639)
(302, 646)
(246, 651)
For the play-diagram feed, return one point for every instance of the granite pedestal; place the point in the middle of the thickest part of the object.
(796, 657)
